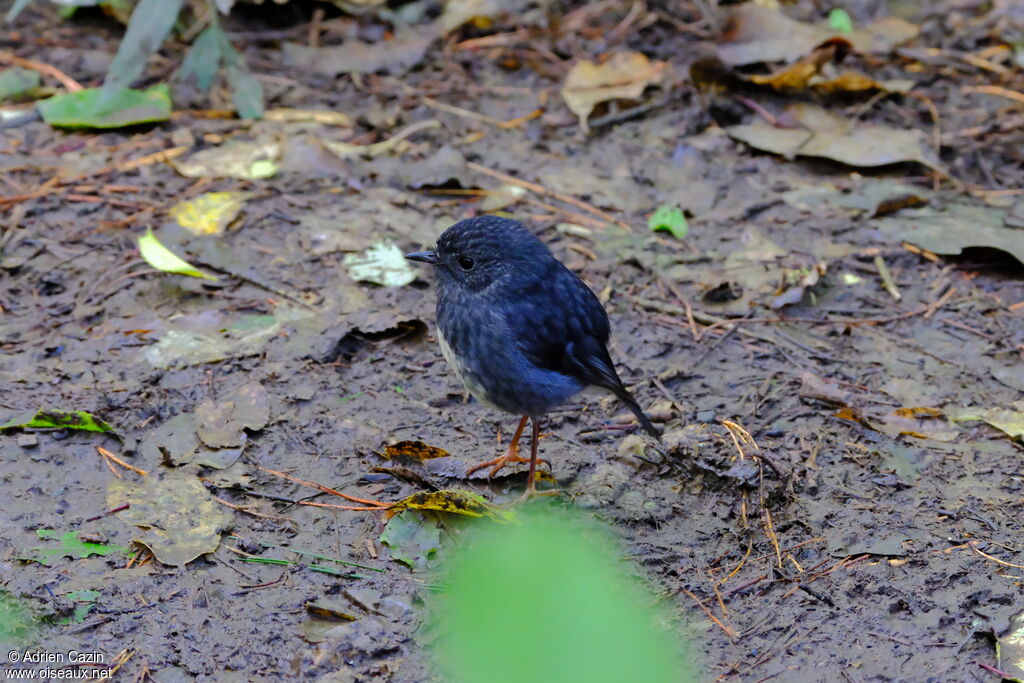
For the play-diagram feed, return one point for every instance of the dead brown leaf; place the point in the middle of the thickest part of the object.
(624, 76)
(824, 134)
(755, 34)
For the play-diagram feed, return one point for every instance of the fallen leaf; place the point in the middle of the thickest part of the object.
(87, 108)
(754, 34)
(459, 12)
(1010, 649)
(824, 134)
(58, 419)
(818, 389)
(954, 228)
(797, 283)
(1008, 420)
(920, 422)
(180, 518)
(209, 213)
(71, 545)
(216, 426)
(17, 82)
(395, 56)
(413, 450)
(254, 160)
(451, 501)
(624, 76)
(252, 406)
(412, 538)
(383, 264)
(669, 219)
(162, 258)
(819, 71)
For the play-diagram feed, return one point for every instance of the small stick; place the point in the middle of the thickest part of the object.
(107, 454)
(325, 489)
(726, 629)
(887, 279)
(71, 84)
(111, 511)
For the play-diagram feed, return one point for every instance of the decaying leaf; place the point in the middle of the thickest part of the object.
(413, 450)
(452, 501)
(162, 258)
(797, 283)
(237, 159)
(921, 422)
(954, 228)
(1009, 420)
(383, 264)
(755, 33)
(412, 538)
(180, 518)
(209, 213)
(72, 545)
(624, 76)
(819, 70)
(57, 419)
(1010, 649)
(824, 134)
(395, 56)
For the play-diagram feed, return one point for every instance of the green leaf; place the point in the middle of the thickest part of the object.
(839, 21)
(151, 21)
(246, 93)
(413, 538)
(58, 419)
(203, 57)
(86, 108)
(17, 626)
(71, 545)
(162, 258)
(669, 218)
(556, 587)
(15, 82)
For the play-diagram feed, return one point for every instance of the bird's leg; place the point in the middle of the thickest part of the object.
(511, 455)
(531, 487)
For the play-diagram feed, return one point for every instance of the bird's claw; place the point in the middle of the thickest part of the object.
(500, 463)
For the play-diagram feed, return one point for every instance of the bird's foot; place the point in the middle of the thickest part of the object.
(531, 492)
(496, 465)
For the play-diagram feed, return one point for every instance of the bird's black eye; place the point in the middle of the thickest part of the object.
(466, 263)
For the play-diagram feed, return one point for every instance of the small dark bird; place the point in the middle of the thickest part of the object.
(521, 331)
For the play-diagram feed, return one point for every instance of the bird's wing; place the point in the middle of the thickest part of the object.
(562, 326)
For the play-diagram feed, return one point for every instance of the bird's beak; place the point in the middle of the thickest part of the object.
(423, 257)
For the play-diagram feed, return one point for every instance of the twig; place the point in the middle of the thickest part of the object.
(726, 629)
(107, 454)
(887, 279)
(46, 69)
(326, 489)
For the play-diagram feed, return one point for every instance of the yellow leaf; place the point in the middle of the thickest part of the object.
(162, 258)
(210, 213)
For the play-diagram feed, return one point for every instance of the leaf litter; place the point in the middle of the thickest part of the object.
(348, 366)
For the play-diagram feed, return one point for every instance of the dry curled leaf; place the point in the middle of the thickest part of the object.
(624, 76)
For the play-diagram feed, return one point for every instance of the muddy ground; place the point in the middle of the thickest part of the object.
(862, 544)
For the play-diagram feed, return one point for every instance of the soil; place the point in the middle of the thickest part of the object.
(852, 542)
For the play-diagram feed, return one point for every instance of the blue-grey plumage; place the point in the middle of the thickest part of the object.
(522, 331)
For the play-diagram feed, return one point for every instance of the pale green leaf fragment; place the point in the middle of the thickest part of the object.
(383, 264)
(839, 21)
(670, 219)
(162, 258)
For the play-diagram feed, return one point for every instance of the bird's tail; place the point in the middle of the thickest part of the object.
(627, 398)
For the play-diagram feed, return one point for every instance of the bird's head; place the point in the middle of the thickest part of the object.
(479, 252)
